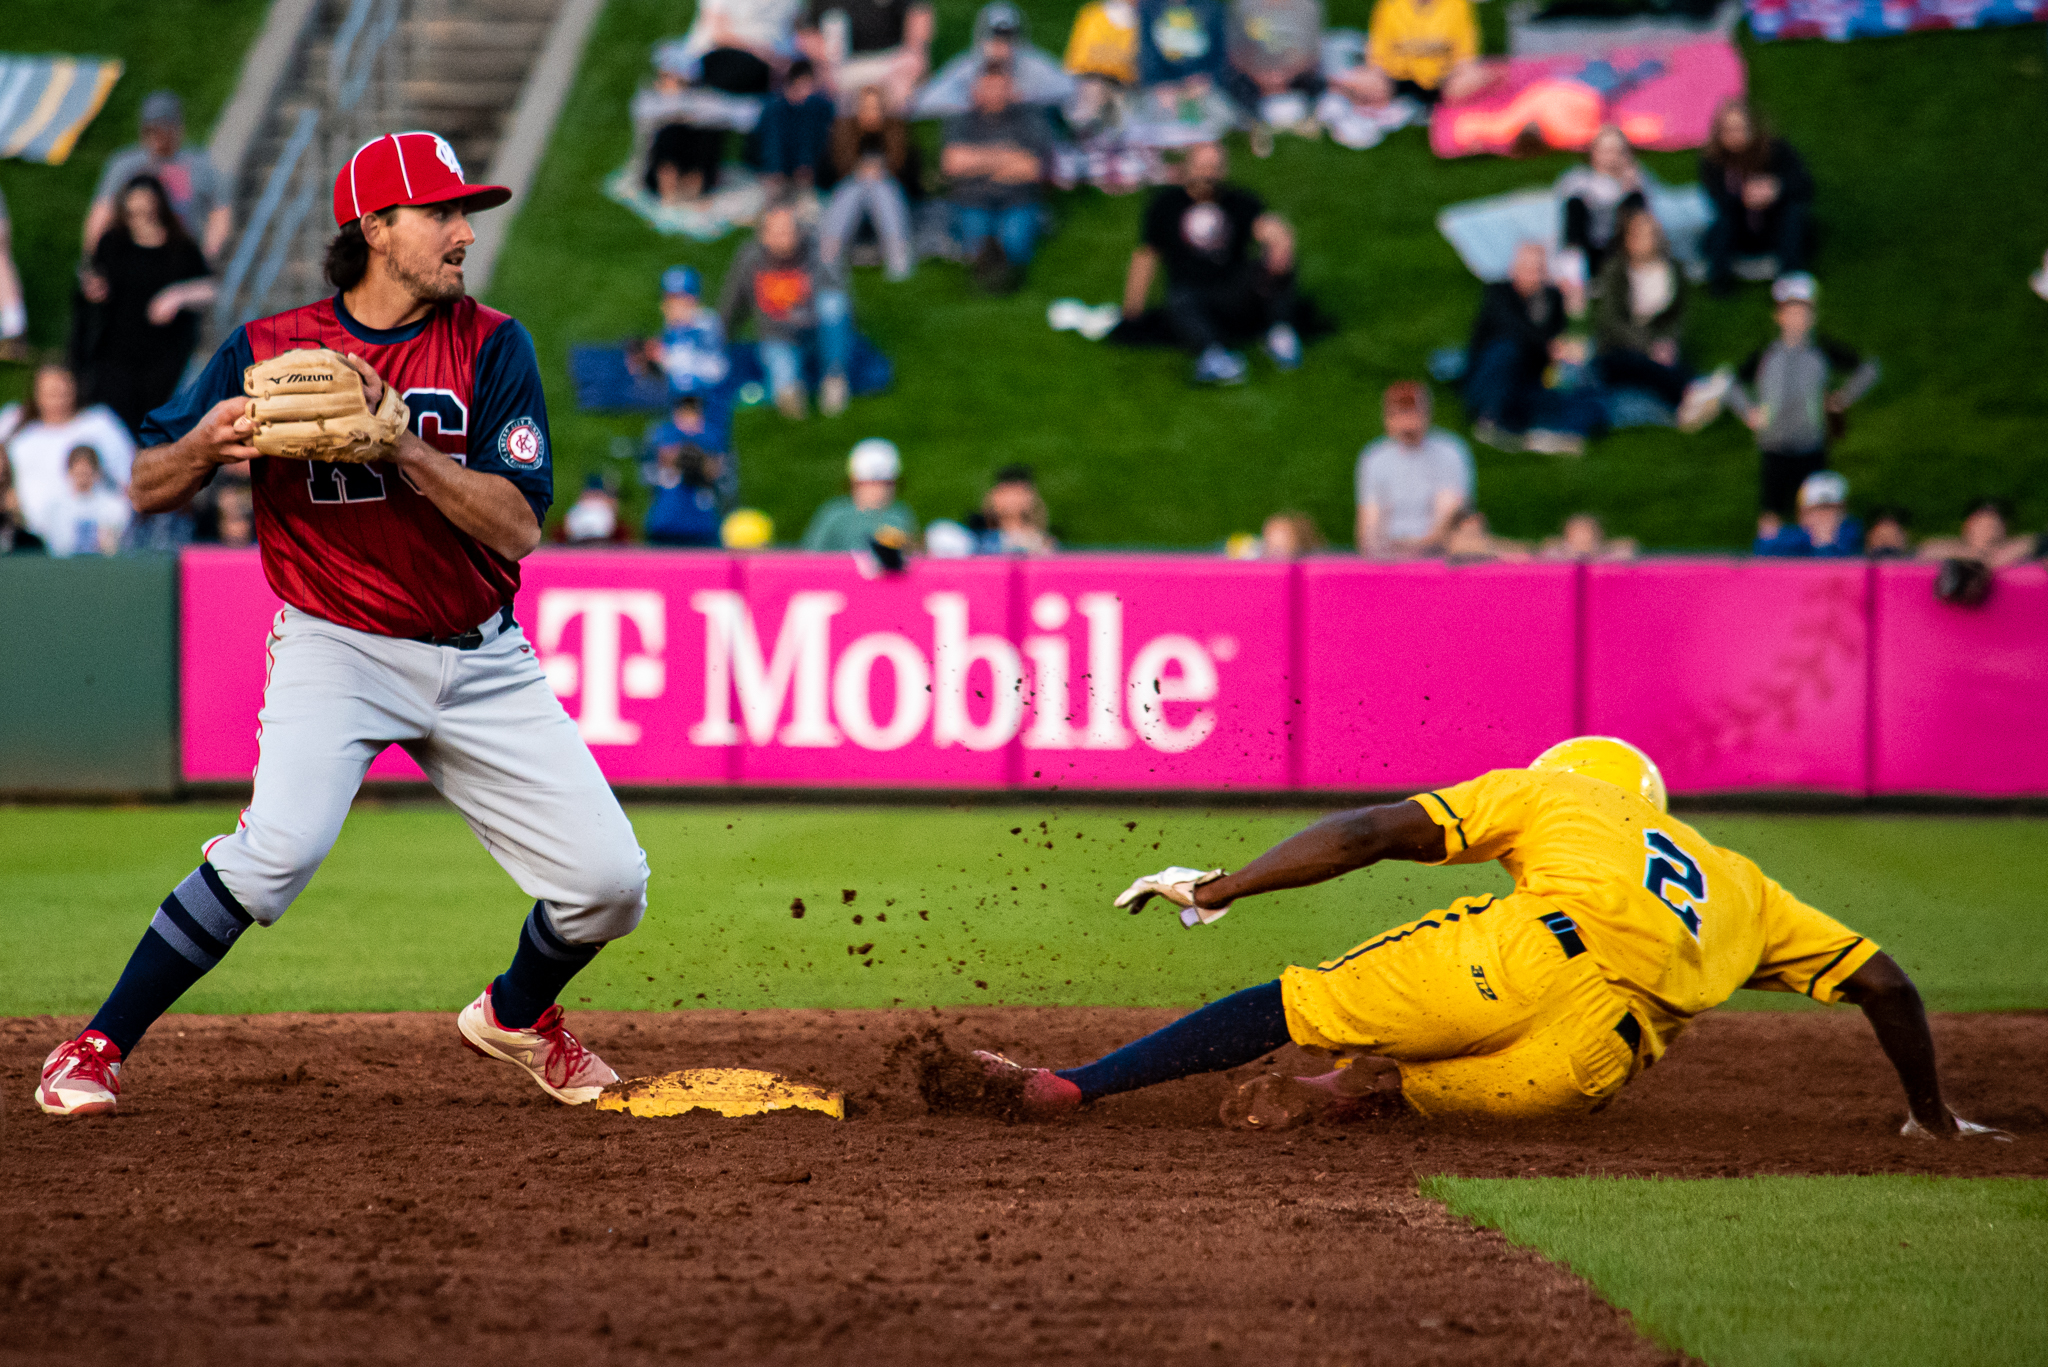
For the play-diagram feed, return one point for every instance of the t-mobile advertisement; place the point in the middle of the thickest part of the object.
(1183, 673)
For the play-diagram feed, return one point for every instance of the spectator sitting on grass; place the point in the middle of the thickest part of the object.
(1639, 323)
(593, 519)
(1782, 392)
(800, 308)
(1203, 231)
(1585, 540)
(1597, 198)
(1290, 535)
(1426, 50)
(199, 194)
(1890, 535)
(692, 474)
(794, 137)
(859, 43)
(15, 537)
(1412, 482)
(996, 156)
(1275, 52)
(150, 279)
(41, 433)
(87, 517)
(1762, 197)
(1470, 541)
(1985, 538)
(871, 153)
(1183, 48)
(849, 523)
(734, 47)
(1825, 530)
(1518, 334)
(1013, 519)
(691, 349)
(1001, 37)
(1102, 55)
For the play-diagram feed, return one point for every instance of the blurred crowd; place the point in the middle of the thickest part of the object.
(159, 220)
(815, 102)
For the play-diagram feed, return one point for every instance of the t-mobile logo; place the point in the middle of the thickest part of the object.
(602, 672)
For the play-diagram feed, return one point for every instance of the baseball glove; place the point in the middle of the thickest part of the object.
(308, 405)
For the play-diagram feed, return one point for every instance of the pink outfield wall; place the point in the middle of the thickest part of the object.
(1154, 672)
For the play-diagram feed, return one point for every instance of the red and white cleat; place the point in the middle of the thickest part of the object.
(1043, 1094)
(81, 1077)
(565, 1070)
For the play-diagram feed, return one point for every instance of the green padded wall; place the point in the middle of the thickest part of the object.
(89, 691)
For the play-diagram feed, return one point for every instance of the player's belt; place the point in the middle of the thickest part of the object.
(474, 637)
(1567, 932)
(1631, 1030)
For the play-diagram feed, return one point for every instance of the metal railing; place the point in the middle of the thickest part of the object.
(359, 99)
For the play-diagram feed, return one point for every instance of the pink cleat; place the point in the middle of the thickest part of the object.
(1042, 1094)
(557, 1060)
(81, 1077)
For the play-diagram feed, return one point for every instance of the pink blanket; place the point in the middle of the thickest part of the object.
(1663, 98)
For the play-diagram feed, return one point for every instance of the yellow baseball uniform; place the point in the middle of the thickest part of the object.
(1421, 40)
(1623, 925)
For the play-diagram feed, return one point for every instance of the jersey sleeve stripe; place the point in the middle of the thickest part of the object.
(1847, 950)
(1456, 820)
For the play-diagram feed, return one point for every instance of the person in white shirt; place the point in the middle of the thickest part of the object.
(1413, 482)
(86, 517)
(41, 433)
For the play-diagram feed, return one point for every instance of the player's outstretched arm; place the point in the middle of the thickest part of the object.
(165, 477)
(1333, 846)
(1892, 1005)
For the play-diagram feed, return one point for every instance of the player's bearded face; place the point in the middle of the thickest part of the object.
(426, 249)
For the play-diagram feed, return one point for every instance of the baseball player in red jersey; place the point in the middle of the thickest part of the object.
(398, 578)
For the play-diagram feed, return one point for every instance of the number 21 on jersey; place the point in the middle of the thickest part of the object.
(1674, 878)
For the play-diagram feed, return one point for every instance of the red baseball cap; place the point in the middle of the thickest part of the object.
(406, 168)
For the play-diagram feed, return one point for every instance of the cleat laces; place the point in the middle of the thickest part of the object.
(81, 1060)
(566, 1054)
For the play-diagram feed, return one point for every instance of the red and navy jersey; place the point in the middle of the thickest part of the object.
(358, 545)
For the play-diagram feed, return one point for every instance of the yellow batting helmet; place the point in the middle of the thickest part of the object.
(1609, 760)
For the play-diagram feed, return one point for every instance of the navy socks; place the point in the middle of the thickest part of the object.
(1223, 1034)
(541, 968)
(190, 933)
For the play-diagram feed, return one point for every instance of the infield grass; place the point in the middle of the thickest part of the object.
(951, 905)
(1805, 1271)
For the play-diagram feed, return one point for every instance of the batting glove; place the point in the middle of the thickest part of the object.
(1177, 885)
(1965, 1129)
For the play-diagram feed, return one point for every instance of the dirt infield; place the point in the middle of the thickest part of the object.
(360, 1189)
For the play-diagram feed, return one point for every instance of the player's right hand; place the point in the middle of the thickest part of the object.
(222, 436)
(1177, 885)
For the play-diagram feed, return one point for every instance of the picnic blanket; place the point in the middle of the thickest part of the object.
(737, 200)
(46, 102)
(1662, 96)
(1841, 20)
(606, 382)
(1485, 232)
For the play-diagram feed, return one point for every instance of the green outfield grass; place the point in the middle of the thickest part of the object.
(1932, 211)
(410, 913)
(1796, 1271)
